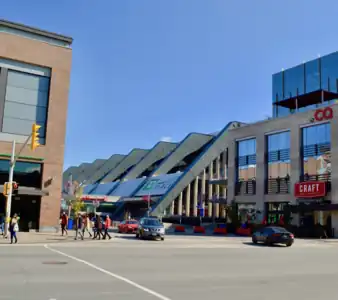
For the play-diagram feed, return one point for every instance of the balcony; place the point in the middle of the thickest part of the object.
(245, 187)
(278, 185)
(321, 177)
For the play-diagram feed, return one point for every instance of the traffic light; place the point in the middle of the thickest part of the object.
(15, 188)
(35, 136)
(6, 189)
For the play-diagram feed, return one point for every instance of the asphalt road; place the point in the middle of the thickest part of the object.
(178, 268)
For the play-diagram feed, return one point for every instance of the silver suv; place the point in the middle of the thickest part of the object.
(150, 228)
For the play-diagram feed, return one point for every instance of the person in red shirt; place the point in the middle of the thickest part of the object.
(64, 222)
(107, 225)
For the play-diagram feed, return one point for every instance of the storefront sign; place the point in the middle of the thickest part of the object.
(93, 198)
(310, 189)
(158, 185)
(323, 114)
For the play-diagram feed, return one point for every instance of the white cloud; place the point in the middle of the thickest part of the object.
(166, 139)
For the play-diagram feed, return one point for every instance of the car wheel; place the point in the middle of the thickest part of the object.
(254, 240)
(162, 238)
(137, 235)
(288, 244)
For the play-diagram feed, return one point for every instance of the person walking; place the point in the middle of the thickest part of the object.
(78, 227)
(106, 227)
(98, 228)
(64, 222)
(14, 228)
(87, 226)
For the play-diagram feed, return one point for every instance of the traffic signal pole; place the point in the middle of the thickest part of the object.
(10, 182)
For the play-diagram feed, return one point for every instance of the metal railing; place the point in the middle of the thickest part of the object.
(245, 187)
(278, 186)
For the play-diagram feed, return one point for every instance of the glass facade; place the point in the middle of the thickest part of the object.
(316, 152)
(246, 166)
(278, 163)
(25, 173)
(317, 78)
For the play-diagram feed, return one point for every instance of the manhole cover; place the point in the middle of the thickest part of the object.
(54, 263)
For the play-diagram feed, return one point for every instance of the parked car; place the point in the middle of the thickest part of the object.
(129, 226)
(273, 235)
(150, 228)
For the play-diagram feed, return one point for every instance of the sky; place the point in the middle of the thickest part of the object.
(146, 70)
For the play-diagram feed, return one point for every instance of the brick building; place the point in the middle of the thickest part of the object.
(34, 84)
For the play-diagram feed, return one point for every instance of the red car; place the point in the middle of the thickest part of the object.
(128, 227)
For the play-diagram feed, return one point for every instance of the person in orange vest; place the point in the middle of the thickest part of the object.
(107, 225)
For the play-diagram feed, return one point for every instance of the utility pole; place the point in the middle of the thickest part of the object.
(34, 144)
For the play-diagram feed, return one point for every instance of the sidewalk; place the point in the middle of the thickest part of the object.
(41, 238)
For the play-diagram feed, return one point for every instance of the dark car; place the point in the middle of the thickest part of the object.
(273, 235)
(150, 228)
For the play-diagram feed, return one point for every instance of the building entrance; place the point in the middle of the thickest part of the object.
(27, 207)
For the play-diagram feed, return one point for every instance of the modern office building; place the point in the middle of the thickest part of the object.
(266, 168)
(34, 83)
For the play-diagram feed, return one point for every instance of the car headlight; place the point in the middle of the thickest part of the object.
(145, 229)
(162, 230)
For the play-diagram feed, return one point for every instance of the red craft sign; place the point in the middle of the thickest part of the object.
(323, 114)
(310, 189)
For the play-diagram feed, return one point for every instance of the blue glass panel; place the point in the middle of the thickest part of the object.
(317, 134)
(247, 147)
(329, 68)
(312, 76)
(279, 141)
(277, 87)
(294, 82)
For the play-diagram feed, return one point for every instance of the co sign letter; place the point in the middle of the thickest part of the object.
(323, 114)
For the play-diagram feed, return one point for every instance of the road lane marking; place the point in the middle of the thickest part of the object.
(116, 276)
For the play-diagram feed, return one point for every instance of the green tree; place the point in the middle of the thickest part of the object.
(75, 203)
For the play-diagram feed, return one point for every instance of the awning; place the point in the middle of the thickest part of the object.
(29, 191)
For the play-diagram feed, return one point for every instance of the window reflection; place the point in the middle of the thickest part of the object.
(277, 87)
(25, 173)
(329, 72)
(294, 81)
(312, 77)
(246, 159)
(317, 151)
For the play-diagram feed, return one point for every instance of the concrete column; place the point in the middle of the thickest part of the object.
(180, 200)
(187, 201)
(195, 197)
(203, 190)
(231, 174)
(295, 143)
(222, 206)
(260, 165)
(218, 174)
(334, 164)
(172, 208)
(211, 171)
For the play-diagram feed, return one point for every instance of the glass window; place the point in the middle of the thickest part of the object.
(279, 166)
(329, 72)
(246, 159)
(312, 76)
(25, 173)
(277, 87)
(317, 134)
(294, 82)
(284, 111)
(26, 103)
(317, 152)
